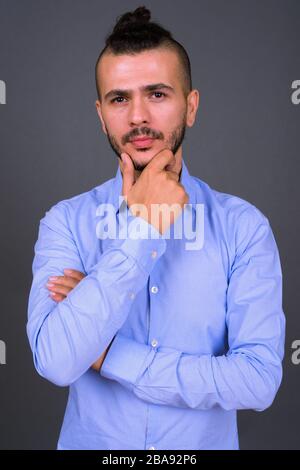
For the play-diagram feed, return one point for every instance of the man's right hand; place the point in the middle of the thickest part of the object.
(156, 188)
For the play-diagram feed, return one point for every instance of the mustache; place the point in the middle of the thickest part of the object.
(142, 132)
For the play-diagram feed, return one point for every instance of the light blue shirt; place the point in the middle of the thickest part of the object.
(198, 334)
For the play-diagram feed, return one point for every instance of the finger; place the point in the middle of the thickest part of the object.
(170, 167)
(181, 185)
(57, 297)
(63, 280)
(128, 173)
(173, 175)
(162, 159)
(59, 289)
(74, 274)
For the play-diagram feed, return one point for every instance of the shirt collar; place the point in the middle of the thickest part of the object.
(186, 180)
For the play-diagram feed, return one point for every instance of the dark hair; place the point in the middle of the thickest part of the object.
(134, 32)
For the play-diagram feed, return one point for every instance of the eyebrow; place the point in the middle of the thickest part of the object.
(147, 88)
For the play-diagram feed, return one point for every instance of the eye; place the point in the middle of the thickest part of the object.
(117, 98)
(159, 93)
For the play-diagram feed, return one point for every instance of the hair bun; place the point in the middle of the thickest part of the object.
(141, 15)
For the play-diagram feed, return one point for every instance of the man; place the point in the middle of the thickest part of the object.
(159, 342)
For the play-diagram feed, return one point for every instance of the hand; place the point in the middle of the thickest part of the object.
(60, 287)
(157, 185)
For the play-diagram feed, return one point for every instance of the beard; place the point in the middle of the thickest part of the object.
(173, 142)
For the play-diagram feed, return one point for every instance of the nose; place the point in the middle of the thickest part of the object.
(138, 112)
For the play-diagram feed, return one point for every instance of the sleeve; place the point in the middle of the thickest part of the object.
(67, 337)
(249, 374)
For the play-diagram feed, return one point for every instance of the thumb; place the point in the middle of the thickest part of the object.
(128, 173)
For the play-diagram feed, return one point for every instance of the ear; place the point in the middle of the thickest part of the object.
(192, 107)
(99, 112)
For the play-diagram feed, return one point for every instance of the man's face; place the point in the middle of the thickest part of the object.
(136, 110)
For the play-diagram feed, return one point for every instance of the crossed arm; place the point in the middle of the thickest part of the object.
(60, 287)
(84, 325)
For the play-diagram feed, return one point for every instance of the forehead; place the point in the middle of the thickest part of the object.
(126, 70)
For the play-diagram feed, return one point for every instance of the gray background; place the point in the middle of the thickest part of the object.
(244, 55)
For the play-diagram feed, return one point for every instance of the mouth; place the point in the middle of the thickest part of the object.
(142, 142)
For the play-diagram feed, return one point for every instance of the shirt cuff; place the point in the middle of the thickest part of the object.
(124, 360)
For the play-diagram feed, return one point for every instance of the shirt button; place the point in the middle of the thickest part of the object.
(154, 254)
(154, 289)
(154, 343)
(151, 448)
(132, 295)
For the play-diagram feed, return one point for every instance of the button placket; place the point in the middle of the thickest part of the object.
(153, 341)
